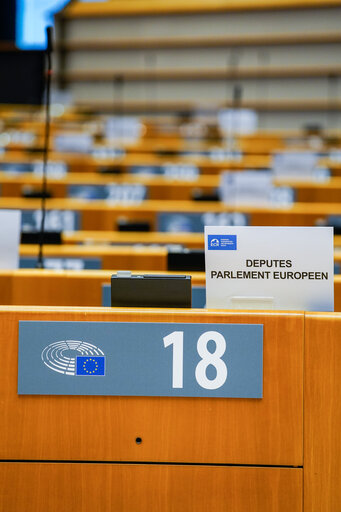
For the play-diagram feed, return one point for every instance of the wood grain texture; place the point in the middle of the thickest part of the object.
(175, 74)
(191, 240)
(274, 39)
(131, 258)
(140, 488)
(83, 163)
(337, 292)
(161, 188)
(235, 431)
(166, 7)
(99, 215)
(63, 288)
(322, 413)
(138, 106)
(78, 288)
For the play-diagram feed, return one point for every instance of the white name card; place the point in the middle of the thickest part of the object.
(53, 169)
(253, 188)
(246, 187)
(282, 268)
(10, 221)
(126, 128)
(180, 172)
(297, 166)
(126, 193)
(241, 121)
(74, 143)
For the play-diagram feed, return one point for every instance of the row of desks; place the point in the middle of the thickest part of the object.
(160, 187)
(89, 163)
(121, 257)
(79, 288)
(169, 215)
(190, 240)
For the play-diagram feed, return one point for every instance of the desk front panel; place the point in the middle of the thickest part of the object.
(53, 487)
(235, 431)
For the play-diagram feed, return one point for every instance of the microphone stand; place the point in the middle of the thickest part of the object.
(49, 49)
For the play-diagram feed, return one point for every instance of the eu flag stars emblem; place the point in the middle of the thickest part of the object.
(90, 365)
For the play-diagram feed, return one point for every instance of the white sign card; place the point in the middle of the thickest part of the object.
(282, 268)
(10, 222)
(298, 166)
(126, 128)
(53, 169)
(241, 121)
(246, 187)
(73, 143)
(254, 188)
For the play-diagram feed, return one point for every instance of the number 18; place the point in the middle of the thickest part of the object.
(208, 358)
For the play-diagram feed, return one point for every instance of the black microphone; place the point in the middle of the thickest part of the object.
(49, 50)
(237, 96)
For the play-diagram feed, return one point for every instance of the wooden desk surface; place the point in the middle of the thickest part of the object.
(168, 206)
(89, 163)
(101, 215)
(124, 257)
(161, 187)
(79, 288)
(119, 257)
(191, 240)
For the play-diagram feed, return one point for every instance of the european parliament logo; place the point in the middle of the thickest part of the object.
(73, 357)
(222, 242)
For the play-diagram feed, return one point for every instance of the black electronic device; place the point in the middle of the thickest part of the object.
(35, 193)
(148, 290)
(34, 237)
(200, 195)
(166, 152)
(133, 225)
(109, 170)
(186, 259)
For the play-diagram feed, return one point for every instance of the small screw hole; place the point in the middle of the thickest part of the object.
(138, 440)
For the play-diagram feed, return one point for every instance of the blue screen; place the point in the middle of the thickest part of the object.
(33, 16)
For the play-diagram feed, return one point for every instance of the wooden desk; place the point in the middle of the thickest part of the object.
(78, 288)
(322, 419)
(120, 257)
(190, 240)
(89, 430)
(206, 165)
(160, 187)
(64, 287)
(273, 454)
(124, 258)
(100, 215)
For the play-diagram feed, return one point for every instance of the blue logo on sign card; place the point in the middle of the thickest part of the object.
(90, 365)
(222, 242)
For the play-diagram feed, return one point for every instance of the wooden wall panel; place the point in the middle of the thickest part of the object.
(147, 488)
(236, 431)
(322, 413)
